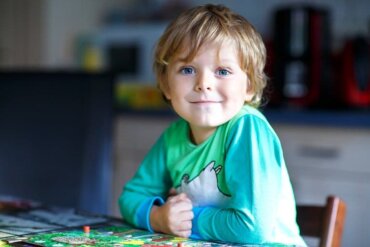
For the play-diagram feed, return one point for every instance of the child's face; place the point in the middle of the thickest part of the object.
(209, 90)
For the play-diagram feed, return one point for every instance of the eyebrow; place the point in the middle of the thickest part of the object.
(180, 60)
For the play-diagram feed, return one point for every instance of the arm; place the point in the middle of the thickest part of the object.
(142, 201)
(148, 187)
(253, 170)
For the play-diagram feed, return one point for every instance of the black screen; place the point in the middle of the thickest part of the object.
(55, 134)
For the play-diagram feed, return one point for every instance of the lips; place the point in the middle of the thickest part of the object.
(205, 101)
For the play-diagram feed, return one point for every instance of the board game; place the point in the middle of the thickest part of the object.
(103, 235)
(27, 224)
(113, 236)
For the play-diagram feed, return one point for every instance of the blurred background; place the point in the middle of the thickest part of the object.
(318, 97)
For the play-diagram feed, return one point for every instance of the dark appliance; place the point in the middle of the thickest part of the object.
(301, 54)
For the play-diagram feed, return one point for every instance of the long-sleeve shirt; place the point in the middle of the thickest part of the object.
(237, 181)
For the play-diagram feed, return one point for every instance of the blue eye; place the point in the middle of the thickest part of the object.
(187, 70)
(223, 72)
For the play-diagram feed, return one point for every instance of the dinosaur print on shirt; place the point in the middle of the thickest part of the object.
(203, 190)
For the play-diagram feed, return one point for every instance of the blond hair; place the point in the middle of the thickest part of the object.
(212, 23)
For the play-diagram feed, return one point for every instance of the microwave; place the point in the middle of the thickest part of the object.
(127, 50)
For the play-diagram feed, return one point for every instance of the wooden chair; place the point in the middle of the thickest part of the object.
(324, 222)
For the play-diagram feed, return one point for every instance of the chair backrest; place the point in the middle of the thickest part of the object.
(55, 137)
(325, 222)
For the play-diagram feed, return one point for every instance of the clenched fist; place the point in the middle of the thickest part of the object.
(174, 217)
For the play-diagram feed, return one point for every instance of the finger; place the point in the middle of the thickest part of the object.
(183, 220)
(172, 192)
(173, 198)
(183, 234)
(183, 196)
(185, 225)
(187, 215)
(182, 206)
(179, 197)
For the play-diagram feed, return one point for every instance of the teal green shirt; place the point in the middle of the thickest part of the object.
(237, 181)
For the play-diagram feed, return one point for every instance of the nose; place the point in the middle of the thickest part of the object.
(204, 82)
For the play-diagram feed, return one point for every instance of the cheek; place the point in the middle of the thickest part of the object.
(180, 87)
(175, 92)
(239, 92)
(168, 87)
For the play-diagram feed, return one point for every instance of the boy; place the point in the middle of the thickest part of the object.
(218, 173)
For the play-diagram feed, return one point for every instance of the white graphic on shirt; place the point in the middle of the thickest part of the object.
(203, 189)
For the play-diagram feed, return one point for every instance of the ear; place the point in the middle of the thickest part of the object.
(249, 95)
(249, 92)
(166, 91)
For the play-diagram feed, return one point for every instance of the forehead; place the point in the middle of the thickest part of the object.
(222, 50)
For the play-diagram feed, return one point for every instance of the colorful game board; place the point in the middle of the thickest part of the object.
(122, 235)
(20, 217)
(4, 244)
(30, 225)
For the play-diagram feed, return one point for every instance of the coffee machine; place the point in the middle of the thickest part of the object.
(301, 56)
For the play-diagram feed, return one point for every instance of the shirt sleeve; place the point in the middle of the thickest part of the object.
(253, 172)
(149, 186)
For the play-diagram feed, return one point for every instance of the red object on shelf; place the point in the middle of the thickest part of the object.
(356, 72)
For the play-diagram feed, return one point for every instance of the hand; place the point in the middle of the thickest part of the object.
(174, 217)
(171, 193)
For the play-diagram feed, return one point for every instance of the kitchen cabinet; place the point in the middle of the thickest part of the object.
(331, 160)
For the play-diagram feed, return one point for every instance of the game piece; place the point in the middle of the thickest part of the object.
(86, 229)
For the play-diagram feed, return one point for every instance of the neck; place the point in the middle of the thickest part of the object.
(200, 134)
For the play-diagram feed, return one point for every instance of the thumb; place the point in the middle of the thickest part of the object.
(172, 192)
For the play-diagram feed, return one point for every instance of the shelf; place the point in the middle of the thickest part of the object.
(328, 118)
(337, 118)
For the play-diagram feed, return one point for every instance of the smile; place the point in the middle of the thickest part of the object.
(206, 102)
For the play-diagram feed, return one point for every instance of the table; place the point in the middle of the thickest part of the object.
(27, 223)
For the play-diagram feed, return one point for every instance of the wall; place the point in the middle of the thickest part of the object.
(21, 37)
(68, 18)
(56, 24)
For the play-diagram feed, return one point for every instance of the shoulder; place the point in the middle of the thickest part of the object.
(176, 131)
(251, 126)
(250, 132)
(250, 118)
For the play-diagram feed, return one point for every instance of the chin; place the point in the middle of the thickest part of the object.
(211, 123)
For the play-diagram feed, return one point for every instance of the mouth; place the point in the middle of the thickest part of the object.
(205, 101)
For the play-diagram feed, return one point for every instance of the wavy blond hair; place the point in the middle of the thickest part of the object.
(212, 23)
